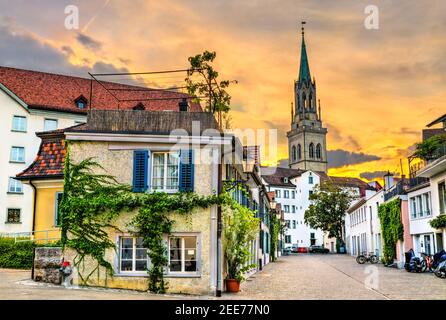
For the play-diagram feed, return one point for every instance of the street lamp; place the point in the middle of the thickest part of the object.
(273, 205)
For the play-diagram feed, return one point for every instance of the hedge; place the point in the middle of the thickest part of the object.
(17, 255)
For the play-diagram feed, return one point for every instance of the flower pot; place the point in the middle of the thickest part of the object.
(232, 285)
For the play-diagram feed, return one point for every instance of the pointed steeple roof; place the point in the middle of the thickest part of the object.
(304, 70)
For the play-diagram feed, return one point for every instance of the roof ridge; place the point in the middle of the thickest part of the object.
(87, 79)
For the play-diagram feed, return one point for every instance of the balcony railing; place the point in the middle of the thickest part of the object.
(398, 189)
(417, 181)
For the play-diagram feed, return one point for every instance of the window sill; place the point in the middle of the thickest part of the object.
(20, 131)
(421, 218)
(18, 193)
(130, 275)
(182, 275)
(6, 222)
(19, 162)
(145, 275)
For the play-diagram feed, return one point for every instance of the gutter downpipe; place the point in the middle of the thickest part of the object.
(219, 288)
(34, 223)
(34, 205)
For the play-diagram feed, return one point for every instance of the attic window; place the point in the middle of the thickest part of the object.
(81, 102)
(285, 179)
(139, 106)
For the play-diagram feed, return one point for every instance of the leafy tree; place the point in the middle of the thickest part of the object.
(208, 87)
(428, 149)
(327, 210)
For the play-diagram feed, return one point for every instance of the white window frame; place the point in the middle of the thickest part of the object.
(183, 273)
(164, 189)
(119, 259)
(50, 119)
(14, 182)
(25, 120)
(15, 153)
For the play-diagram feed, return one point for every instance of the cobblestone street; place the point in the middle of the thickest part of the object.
(307, 276)
(301, 276)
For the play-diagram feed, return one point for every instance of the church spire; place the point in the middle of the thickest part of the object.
(304, 71)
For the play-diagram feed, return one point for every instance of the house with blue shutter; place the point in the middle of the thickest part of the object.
(163, 152)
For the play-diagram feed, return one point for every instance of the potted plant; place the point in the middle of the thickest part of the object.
(240, 228)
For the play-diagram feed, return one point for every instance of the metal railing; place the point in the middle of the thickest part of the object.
(396, 190)
(41, 236)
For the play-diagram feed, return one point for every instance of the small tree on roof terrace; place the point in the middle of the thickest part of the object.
(208, 87)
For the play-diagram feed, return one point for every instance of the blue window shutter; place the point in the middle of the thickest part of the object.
(140, 170)
(186, 180)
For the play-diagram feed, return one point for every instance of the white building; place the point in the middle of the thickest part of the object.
(34, 101)
(293, 188)
(432, 239)
(18, 125)
(362, 225)
(420, 213)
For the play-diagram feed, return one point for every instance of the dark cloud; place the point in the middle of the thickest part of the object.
(410, 131)
(88, 42)
(67, 50)
(335, 134)
(371, 175)
(339, 158)
(23, 50)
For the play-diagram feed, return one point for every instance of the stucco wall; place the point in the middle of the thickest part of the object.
(120, 164)
(46, 210)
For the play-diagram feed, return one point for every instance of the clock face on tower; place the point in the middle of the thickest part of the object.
(307, 138)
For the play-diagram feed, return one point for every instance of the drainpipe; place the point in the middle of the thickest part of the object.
(34, 205)
(219, 232)
(33, 224)
(219, 288)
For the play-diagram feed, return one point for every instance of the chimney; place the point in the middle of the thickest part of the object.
(183, 105)
(388, 181)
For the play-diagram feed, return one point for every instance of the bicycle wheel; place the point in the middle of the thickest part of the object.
(374, 259)
(361, 259)
(423, 266)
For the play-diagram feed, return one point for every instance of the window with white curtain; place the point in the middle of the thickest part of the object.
(165, 171)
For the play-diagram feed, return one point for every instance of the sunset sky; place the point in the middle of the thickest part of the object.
(378, 88)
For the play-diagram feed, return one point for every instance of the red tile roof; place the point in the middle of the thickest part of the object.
(40, 90)
(49, 163)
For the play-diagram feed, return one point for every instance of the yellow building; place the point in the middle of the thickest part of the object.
(45, 176)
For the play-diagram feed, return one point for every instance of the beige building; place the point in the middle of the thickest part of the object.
(140, 152)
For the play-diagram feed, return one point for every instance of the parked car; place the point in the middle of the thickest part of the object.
(318, 249)
(294, 248)
(302, 250)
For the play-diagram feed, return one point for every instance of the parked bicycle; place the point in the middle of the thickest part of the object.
(363, 258)
(427, 263)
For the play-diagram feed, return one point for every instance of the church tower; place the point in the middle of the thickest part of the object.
(307, 145)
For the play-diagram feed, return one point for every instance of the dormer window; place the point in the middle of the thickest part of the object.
(139, 106)
(81, 102)
(285, 179)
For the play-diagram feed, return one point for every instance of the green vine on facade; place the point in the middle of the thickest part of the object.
(91, 202)
(275, 230)
(391, 227)
(438, 222)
